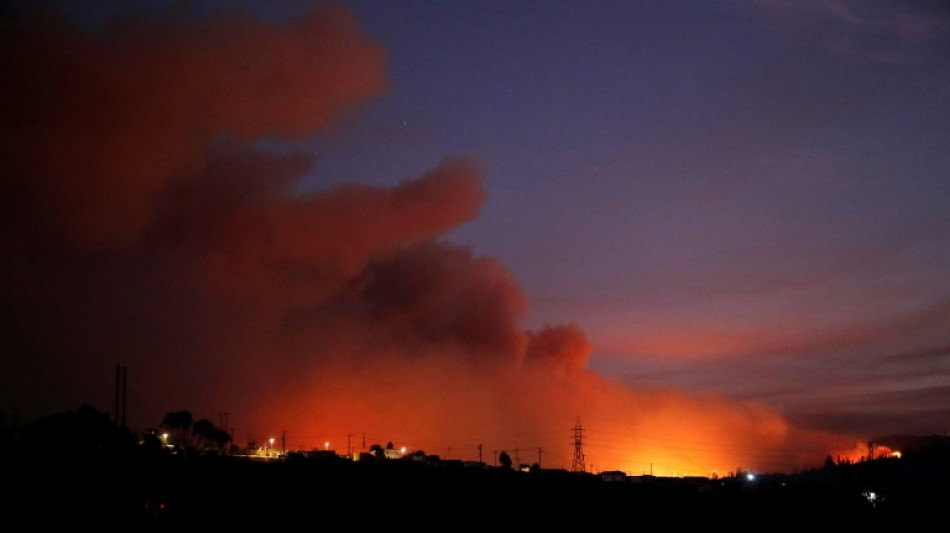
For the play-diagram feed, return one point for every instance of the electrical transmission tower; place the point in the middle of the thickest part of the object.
(577, 465)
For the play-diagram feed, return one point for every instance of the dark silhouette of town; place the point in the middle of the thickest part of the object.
(81, 467)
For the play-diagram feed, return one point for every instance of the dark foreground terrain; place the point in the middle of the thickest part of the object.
(134, 490)
(78, 471)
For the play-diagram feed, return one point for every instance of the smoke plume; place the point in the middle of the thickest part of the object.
(141, 225)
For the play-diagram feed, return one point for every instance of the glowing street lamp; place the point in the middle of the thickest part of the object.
(326, 445)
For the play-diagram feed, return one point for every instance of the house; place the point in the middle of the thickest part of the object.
(613, 475)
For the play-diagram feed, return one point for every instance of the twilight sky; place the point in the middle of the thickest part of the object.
(717, 232)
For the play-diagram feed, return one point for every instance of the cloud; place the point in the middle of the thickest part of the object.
(887, 32)
(142, 226)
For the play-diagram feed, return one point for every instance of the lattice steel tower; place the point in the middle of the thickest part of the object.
(578, 464)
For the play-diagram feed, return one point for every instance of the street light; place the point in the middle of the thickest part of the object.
(327, 445)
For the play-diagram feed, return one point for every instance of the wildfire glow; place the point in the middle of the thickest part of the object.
(330, 314)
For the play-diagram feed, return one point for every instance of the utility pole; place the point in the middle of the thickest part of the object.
(120, 388)
(283, 441)
(577, 465)
(125, 390)
(348, 453)
(479, 452)
(115, 408)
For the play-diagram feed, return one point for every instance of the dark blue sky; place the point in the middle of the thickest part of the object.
(745, 197)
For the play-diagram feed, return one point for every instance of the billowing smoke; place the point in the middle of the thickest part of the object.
(141, 225)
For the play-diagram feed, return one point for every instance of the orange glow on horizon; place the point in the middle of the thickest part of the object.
(445, 409)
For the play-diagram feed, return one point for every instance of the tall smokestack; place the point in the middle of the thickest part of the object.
(124, 393)
(115, 407)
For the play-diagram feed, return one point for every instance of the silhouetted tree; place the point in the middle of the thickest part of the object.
(202, 427)
(829, 463)
(179, 423)
(389, 445)
(209, 436)
(221, 437)
(504, 459)
(376, 450)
